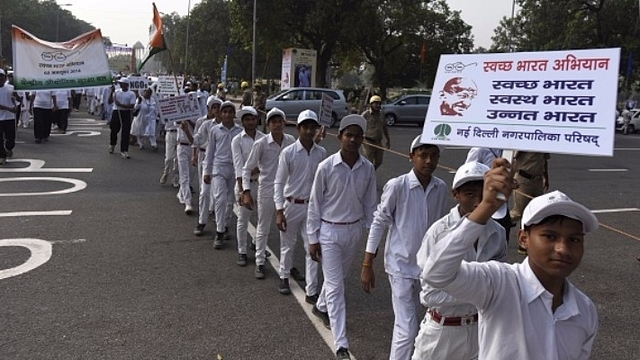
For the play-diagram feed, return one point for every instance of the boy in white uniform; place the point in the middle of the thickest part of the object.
(264, 155)
(450, 327)
(185, 169)
(527, 310)
(410, 203)
(218, 166)
(294, 178)
(342, 202)
(241, 148)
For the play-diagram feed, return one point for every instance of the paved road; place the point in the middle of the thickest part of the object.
(114, 271)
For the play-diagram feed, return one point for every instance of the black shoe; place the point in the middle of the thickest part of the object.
(242, 260)
(284, 288)
(297, 275)
(259, 272)
(343, 354)
(322, 316)
(217, 242)
(311, 299)
(199, 230)
(9, 153)
(38, 141)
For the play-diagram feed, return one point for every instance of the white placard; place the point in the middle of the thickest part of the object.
(138, 82)
(555, 101)
(325, 110)
(167, 84)
(179, 108)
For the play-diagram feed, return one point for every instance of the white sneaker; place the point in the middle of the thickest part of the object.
(188, 209)
(179, 198)
(125, 155)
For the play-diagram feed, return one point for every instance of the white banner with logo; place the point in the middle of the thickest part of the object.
(138, 83)
(179, 108)
(166, 84)
(555, 101)
(77, 63)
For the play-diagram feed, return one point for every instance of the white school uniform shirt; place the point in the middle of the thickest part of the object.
(123, 97)
(264, 154)
(341, 194)
(241, 148)
(6, 99)
(43, 99)
(62, 99)
(219, 147)
(408, 210)
(199, 140)
(483, 155)
(296, 168)
(491, 246)
(515, 316)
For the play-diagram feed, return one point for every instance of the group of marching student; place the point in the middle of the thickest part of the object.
(449, 261)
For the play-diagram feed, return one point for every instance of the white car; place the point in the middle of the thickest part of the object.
(634, 125)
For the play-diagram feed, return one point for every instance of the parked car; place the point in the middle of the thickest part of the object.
(634, 125)
(294, 100)
(406, 109)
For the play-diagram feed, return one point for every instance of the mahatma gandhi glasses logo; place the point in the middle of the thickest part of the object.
(441, 132)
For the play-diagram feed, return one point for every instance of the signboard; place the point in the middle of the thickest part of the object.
(298, 68)
(325, 110)
(138, 83)
(167, 84)
(77, 63)
(179, 108)
(556, 101)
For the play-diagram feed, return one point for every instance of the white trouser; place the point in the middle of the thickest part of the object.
(185, 170)
(266, 210)
(339, 246)
(170, 151)
(223, 185)
(405, 298)
(205, 198)
(92, 103)
(244, 215)
(25, 117)
(438, 342)
(296, 216)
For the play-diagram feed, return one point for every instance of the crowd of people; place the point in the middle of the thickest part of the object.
(449, 261)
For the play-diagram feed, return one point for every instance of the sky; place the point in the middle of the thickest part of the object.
(127, 21)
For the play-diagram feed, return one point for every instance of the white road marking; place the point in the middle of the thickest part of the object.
(626, 149)
(72, 241)
(40, 254)
(78, 185)
(81, 133)
(35, 213)
(37, 165)
(608, 170)
(603, 211)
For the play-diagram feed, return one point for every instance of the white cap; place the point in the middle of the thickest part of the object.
(557, 203)
(246, 110)
(353, 119)
(124, 80)
(275, 112)
(307, 115)
(227, 104)
(474, 171)
(213, 100)
(416, 143)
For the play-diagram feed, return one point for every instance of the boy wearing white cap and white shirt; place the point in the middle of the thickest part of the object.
(241, 148)
(410, 203)
(218, 167)
(342, 202)
(450, 327)
(264, 155)
(198, 151)
(527, 310)
(296, 167)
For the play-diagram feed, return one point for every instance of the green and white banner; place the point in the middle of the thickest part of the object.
(77, 63)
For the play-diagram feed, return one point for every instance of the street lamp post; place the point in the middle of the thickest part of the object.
(58, 20)
(253, 47)
(186, 45)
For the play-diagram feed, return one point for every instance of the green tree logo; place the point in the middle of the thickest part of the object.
(442, 131)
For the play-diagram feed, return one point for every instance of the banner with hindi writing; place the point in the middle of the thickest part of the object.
(555, 101)
(179, 108)
(78, 63)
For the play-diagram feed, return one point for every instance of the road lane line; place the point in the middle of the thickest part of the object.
(35, 213)
(608, 170)
(605, 211)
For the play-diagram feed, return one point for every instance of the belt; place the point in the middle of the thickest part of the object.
(253, 180)
(172, 130)
(203, 150)
(526, 175)
(297, 201)
(453, 321)
(341, 223)
(185, 144)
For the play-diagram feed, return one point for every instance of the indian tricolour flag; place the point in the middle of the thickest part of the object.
(156, 41)
(77, 63)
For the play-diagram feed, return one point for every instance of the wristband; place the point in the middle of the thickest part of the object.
(364, 264)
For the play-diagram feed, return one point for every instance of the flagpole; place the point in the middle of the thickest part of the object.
(175, 78)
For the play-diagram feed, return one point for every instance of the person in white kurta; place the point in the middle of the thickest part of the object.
(450, 327)
(292, 187)
(410, 203)
(527, 310)
(147, 116)
(342, 203)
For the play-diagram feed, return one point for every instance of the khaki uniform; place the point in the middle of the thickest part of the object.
(373, 135)
(247, 98)
(530, 174)
(259, 102)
